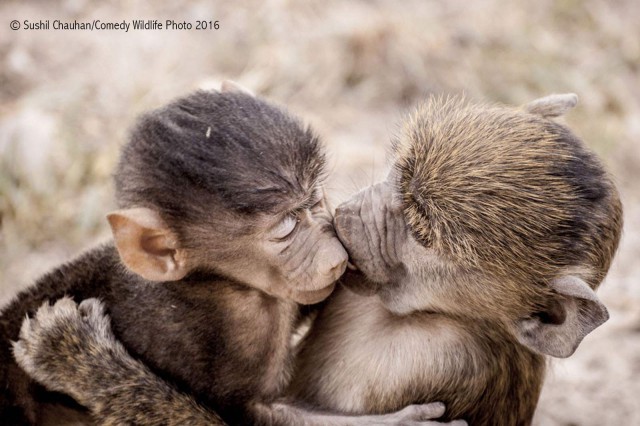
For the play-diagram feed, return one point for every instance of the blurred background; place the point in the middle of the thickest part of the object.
(350, 69)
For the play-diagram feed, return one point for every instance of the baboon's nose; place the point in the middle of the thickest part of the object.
(334, 262)
(339, 268)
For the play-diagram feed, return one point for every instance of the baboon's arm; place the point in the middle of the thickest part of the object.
(71, 349)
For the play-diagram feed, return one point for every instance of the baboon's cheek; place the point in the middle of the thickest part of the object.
(313, 260)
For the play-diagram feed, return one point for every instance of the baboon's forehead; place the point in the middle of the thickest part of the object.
(241, 150)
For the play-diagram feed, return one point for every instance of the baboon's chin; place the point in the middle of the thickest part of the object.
(314, 296)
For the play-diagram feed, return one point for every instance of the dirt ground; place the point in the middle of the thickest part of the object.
(350, 69)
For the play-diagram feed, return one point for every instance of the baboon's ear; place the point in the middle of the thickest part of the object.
(552, 105)
(573, 312)
(232, 86)
(146, 244)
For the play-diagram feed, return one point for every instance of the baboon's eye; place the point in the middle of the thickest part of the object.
(285, 227)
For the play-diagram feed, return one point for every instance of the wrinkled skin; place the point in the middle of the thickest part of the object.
(397, 268)
(371, 226)
(306, 273)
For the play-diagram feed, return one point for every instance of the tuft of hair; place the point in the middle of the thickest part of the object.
(214, 153)
(505, 190)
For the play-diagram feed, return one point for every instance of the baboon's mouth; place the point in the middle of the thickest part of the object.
(315, 296)
(355, 280)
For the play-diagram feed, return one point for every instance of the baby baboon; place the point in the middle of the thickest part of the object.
(484, 248)
(479, 255)
(222, 232)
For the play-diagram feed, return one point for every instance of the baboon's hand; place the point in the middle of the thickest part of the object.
(411, 415)
(418, 415)
(71, 349)
(65, 346)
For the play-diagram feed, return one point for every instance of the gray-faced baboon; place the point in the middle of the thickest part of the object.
(477, 256)
(222, 233)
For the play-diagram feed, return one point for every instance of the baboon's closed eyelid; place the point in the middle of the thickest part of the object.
(285, 228)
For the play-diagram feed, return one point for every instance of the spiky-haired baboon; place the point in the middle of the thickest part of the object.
(222, 232)
(479, 255)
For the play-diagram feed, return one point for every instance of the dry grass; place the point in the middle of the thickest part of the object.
(350, 68)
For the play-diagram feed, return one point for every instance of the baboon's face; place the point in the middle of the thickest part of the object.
(236, 189)
(291, 253)
(297, 256)
(372, 228)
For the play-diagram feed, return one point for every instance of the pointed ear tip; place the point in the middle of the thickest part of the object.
(604, 309)
(112, 218)
(572, 98)
(229, 85)
(604, 317)
(564, 353)
(232, 86)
